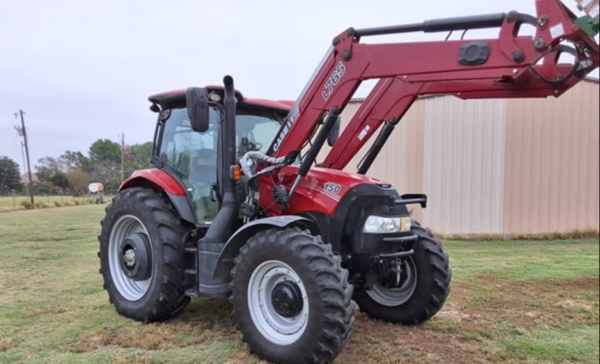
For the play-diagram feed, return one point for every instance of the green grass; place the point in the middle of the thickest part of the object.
(557, 346)
(511, 302)
(10, 203)
(526, 260)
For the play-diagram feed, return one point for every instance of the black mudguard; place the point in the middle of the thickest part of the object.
(238, 239)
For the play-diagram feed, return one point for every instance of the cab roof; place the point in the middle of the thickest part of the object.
(176, 98)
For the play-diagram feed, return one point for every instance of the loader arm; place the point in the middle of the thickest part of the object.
(509, 66)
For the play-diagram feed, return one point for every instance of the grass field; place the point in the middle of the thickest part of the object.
(10, 203)
(511, 302)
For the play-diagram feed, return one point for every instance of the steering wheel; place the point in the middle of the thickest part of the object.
(247, 146)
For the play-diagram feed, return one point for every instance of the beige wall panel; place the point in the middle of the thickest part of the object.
(415, 155)
(552, 163)
(464, 165)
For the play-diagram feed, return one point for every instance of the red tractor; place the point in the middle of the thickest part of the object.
(238, 206)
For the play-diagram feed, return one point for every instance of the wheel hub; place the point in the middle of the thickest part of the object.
(135, 259)
(287, 299)
(129, 258)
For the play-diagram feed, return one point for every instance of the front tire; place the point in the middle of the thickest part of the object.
(292, 298)
(142, 256)
(423, 290)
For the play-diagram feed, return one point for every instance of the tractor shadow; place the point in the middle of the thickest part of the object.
(203, 320)
(214, 314)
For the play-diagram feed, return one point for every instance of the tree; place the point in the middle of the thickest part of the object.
(71, 160)
(105, 162)
(10, 177)
(51, 174)
(79, 181)
(60, 181)
(105, 151)
(138, 156)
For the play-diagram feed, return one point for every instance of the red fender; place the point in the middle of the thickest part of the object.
(158, 177)
(163, 181)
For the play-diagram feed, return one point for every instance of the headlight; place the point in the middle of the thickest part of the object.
(387, 225)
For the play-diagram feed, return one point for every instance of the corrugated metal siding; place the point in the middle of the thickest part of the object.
(464, 165)
(552, 163)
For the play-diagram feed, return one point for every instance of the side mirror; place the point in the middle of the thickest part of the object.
(334, 134)
(196, 99)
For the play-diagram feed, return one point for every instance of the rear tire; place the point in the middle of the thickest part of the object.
(427, 285)
(292, 298)
(142, 256)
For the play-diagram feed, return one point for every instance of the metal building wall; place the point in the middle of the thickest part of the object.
(552, 163)
(498, 166)
(464, 165)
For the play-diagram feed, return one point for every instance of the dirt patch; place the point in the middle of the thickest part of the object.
(455, 313)
(129, 360)
(576, 304)
(203, 320)
(6, 344)
(434, 342)
(57, 310)
(533, 303)
(145, 337)
(91, 341)
(472, 321)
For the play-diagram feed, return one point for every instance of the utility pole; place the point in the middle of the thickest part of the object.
(24, 131)
(122, 158)
(24, 165)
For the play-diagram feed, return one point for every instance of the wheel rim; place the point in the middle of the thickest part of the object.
(130, 289)
(265, 285)
(396, 296)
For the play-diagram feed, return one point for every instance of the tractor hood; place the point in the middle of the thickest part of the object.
(322, 189)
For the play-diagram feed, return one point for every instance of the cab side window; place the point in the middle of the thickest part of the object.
(191, 157)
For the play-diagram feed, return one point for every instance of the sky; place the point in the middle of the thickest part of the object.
(83, 70)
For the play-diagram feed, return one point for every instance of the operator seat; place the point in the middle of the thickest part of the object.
(203, 176)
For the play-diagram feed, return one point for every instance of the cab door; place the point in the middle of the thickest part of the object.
(191, 158)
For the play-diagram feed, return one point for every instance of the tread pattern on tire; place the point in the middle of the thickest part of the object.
(440, 263)
(336, 307)
(167, 297)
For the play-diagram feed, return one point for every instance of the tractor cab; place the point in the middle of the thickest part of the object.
(191, 156)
